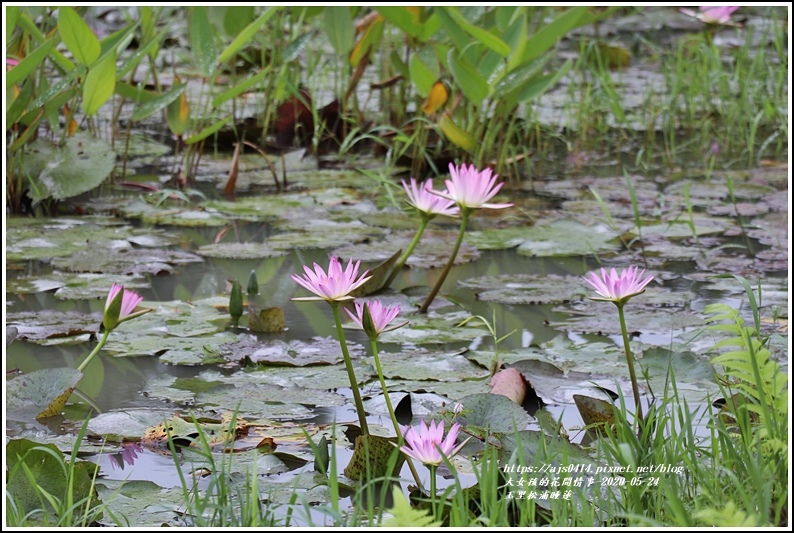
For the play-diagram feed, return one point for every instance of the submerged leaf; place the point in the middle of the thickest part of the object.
(42, 392)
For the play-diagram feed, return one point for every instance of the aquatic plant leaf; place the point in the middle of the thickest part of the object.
(270, 320)
(447, 389)
(143, 503)
(128, 424)
(317, 351)
(419, 405)
(595, 411)
(43, 393)
(524, 288)
(174, 216)
(240, 250)
(433, 328)
(48, 467)
(371, 458)
(433, 250)
(266, 401)
(125, 260)
(486, 414)
(639, 320)
(42, 325)
(554, 386)
(528, 448)
(74, 286)
(79, 165)
(566, 237)
(218, 433)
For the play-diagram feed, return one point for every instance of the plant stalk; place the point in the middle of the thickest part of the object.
(630, 360)
(95, 351)
(464, 218)
(401, 262)
(362, 419)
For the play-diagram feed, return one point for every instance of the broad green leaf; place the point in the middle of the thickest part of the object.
(505, 15)
(77, 36)
(118, 40)
(538, 86)
(421, 76)
(547, 36)
(460, 39)
(520, 76)
(99, 83)
(20, 104)
(368, 44)
(485, 37)
(178, 115)
(54, 89)
(137, 94)
(30, 27)
(44, 392)
(473, 86)
(30, 63)
(401, 17)
(202, 40)
(237, 18)
(493, 413)
(340, 29)
(12, 14)
(48, 468)
(456, 134)
(247, 34)
(241, 87)
(150, 47)
(78, 166)
(209, 130)
(152, 103)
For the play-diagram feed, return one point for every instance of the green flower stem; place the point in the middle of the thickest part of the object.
(433, 490)
(95, 351)
(393, 416)
(362, 419)
(464, 218)
(401, 262)
(630, 359)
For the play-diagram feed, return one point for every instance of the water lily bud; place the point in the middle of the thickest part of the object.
(110, 318)
(236, 302)
(253, 284)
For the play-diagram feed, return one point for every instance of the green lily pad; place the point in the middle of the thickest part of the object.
(44, 392)
(127, 425)
(174, 389)
(554, 386)
(75, 286)
(142, 503)
(80, 164)
(448, 389)
(433, 328)
(265, 401)
(240, 250)
(318, 351)
(307, 377)
(240, 463)
(345, 179)
(491, 413)
(109, 260)
(421, 405)
(53, 325)
(680, 229)
(643, 320)
(523, 288)
(426, 365)
(497, 239)
(47, 466)
(45, 238)
(188, 216)
(565, 237)
(717, 189)
(322, 234)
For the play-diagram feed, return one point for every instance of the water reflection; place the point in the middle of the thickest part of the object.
(128, 455)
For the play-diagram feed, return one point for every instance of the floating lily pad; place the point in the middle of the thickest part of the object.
(174, 389)
(171, 349)
(323, 234)
(128, 424)
(71, 286)
(63, 171)
(565, 237)
(196, 431)
(496, 239)
(240, 250)
(318, 351)
(717, 189)
(448, 389)
(46, 238)
(421, 405)
(554, 386)
(433, 329)
(523, 288)
(174, 216)
(49, 475)
(681, 229)
(425, 365)
(308, 377)
(638, 320)
(53, 325)
(125, 260)
(42, 393)
(262, 401)
(491, 413)
(142, 503)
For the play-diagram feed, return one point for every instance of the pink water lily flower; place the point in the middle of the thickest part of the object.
(471, 189)
(617, 287)
(428, 445)
(713, 14)
(422, 198)
(116, 314)
(380, 317)
(335, 286)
